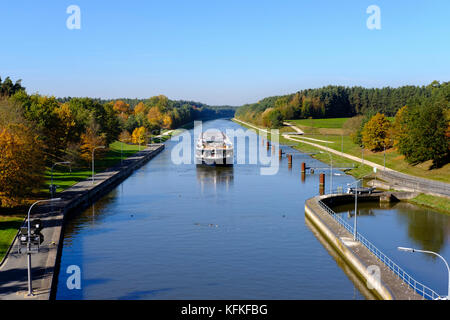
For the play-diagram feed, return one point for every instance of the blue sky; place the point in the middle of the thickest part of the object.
(221, 52)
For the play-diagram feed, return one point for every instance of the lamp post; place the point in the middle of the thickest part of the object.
(30, 288)
(433, 253)
(121, 149)
(362, 154)
(356, 208)
(51, 184)
(99, 147)
(331, 171)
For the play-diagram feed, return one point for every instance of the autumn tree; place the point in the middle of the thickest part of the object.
(122, 108)
(155, 117)
(375, 134)
(21, 156)
(90, 140)
(140, 108)
(139, 136)
(125, 136)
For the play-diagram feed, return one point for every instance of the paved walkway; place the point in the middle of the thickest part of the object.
(13, 271)
(398, 288)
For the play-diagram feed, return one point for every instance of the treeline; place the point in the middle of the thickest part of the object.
(37, 131)
(420, 130)
(332, 102)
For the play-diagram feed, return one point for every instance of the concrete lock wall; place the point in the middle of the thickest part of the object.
(355, 263)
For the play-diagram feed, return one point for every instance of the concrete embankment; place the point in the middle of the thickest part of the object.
(45, 263)
(355, 254)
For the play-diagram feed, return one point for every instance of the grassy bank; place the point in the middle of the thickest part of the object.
(63, 178)
(438, 203)
(8, 230)
(325, 129)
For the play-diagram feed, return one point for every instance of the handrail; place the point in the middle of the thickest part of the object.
(418, 287)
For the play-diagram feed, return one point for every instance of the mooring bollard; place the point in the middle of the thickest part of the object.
(268, 145)
(280, 153)
(303, 167)
(322, 184)
(289, 156)
(322, 179)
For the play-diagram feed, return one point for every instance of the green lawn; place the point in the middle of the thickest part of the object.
(63, 178)
(438, 203)
(336, 123)
(8, 230)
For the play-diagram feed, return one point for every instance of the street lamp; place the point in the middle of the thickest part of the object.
(99, 147)
(331, 172)
(51, 184)
(434, 253)
(30, 288)
(121, 149)
(356, 207)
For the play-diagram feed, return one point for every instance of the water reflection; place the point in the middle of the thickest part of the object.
(426, 228)
(388, 226)
(214, 177)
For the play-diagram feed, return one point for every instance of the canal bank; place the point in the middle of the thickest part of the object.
(430, 193)
(361, 255)
(45, 263)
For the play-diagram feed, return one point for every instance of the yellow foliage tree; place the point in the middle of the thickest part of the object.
(140, 108)
(375, 134)
(64, 130)
(398, 128)
(91, 139)
(139, 135)
(154, 116)
(167, 121)
(122, 108)
(21, 164)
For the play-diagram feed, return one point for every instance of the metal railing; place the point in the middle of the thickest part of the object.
(418, 287)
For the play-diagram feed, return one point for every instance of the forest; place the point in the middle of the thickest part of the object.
(332, 102)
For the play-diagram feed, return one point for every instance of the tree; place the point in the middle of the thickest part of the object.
(375, 134)
(399, 127)
(425, 127)
(21, 156)
(122, 108)
(91, 139)
(155, 117)
(140, 108)
(139, 135)
(125, 136)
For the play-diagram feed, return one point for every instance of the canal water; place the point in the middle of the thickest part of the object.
(178, 231)
(402, 224)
